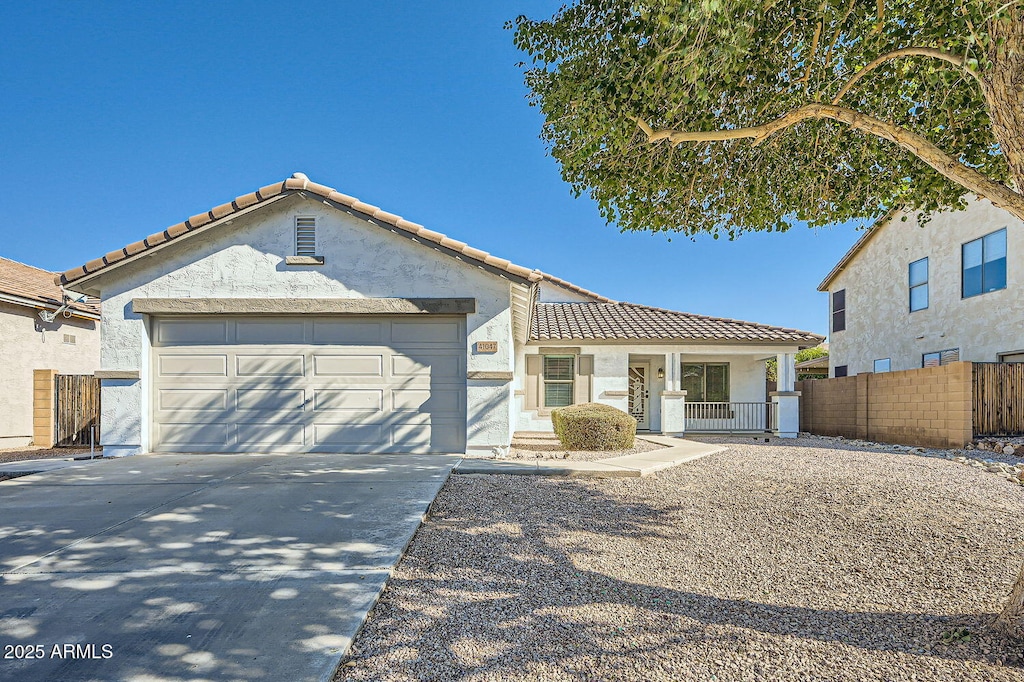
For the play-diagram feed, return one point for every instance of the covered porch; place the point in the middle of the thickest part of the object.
(711, 391)
(670, 389)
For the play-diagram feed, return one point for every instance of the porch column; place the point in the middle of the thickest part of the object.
(786, 400)
(673, 413)
(786, 371)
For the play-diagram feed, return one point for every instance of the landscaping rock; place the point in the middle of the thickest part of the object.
(799, 560)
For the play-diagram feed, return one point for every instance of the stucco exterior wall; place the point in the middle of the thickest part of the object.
(552, 293)
(246, 259)
(27, 343)
(611, 363)
(879, 323)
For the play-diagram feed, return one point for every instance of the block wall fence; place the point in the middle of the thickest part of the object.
(930, 407)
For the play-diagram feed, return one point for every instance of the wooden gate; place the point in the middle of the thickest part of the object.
(77, 405)
(998, 398)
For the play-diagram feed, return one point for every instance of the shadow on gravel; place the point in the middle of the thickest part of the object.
(512, 595)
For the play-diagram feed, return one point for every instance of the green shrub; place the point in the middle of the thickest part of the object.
(593, 426)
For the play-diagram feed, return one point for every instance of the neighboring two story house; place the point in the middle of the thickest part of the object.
(909, 295)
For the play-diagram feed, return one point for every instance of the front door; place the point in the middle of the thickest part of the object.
(639, 395)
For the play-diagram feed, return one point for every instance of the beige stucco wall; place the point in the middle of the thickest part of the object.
(246, 259)
(879, 323)
(27, 343)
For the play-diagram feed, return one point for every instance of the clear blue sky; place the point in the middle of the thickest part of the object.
(120, 119)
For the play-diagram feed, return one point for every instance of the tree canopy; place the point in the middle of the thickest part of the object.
(725, 116)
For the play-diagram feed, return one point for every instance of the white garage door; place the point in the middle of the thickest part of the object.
(309, 384)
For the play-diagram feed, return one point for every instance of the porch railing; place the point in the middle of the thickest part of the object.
(754, 417)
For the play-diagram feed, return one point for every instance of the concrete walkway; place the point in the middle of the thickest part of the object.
(202, 567)
(640, 464)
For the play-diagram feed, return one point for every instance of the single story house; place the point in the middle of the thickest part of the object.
(296, 319)
(65, 339)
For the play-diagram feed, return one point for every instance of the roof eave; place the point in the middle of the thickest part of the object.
(801, 343)
(38, 304)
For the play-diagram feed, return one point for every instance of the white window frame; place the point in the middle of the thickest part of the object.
(545, 381)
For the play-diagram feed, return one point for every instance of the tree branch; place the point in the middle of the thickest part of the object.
(947, 166)
(953, 59)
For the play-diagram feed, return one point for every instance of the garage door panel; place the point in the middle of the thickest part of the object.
(193, 434)
(274, 434)
(270, 365)
(339, 333)
(192, 399)
(427, 366)
(433, 401)
(269, 399)
(348, 435)
(270, 332)
(345, 385)
(192, 332)
(425, 438)
(448, 331)
(367, 400)
(193, 365)
(348, 365)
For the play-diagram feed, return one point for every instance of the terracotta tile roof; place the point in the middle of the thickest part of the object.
(35, 285)
(579, 321)
(297, 183)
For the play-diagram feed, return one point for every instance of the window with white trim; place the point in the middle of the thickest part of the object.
(883, 365)
(559, 380)
(305, 236)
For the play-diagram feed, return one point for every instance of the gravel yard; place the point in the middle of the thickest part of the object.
(763, 562)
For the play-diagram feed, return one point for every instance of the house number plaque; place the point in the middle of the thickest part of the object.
(486, 346)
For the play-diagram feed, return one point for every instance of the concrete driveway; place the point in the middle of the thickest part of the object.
(201, 567)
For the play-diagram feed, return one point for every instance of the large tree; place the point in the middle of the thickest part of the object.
(723, 116)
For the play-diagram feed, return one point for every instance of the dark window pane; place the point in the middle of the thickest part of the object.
(839, 300)
(840, 370)
(557, 395)
(558, 368)
(972, 281)
(994, 274)
(693, 382)
(839, 321)
(919, 272)
(718, 383)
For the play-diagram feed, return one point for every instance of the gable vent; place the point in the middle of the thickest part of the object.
(305, 236)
